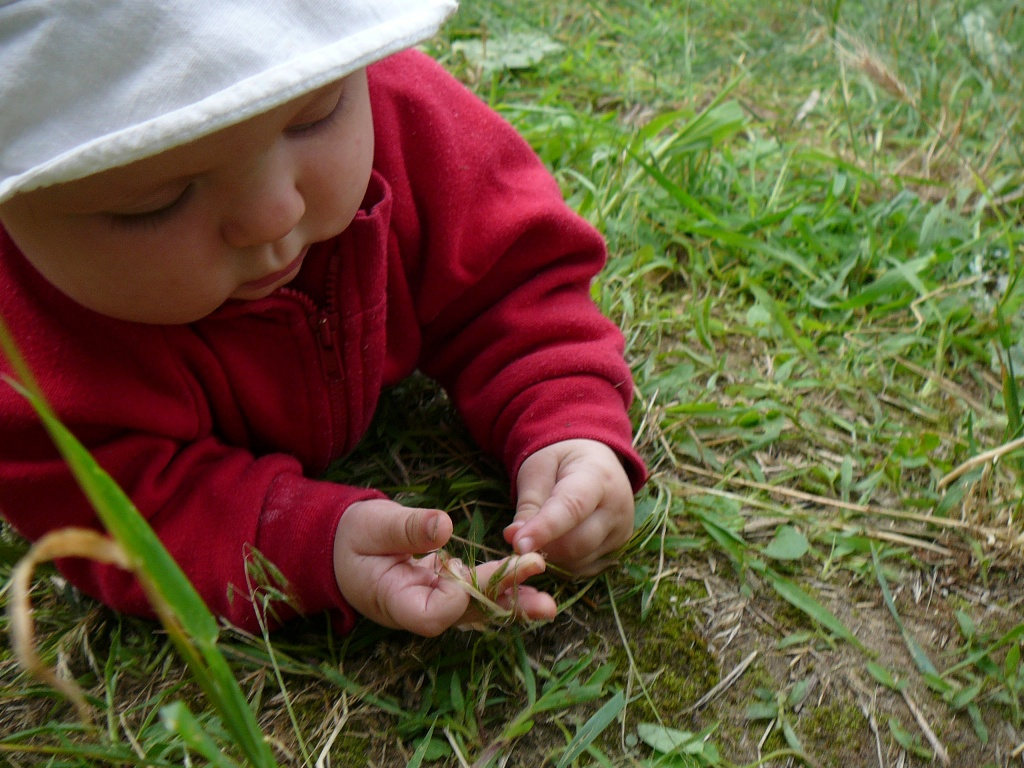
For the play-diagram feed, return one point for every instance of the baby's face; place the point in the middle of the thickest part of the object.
(170, 238)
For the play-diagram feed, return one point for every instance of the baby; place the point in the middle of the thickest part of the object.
(226, 227)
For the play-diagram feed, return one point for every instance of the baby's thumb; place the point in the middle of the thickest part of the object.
(403, 530)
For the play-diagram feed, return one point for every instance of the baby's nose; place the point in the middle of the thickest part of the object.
(269, 207)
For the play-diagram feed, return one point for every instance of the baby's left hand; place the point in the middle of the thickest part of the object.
(575, 505)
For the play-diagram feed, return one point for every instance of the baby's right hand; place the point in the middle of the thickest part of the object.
(375, 567)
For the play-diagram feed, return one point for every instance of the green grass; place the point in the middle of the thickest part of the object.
(813, 213)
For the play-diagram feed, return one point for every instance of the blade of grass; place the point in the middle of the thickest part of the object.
(86, 754)
(181, 610)
(1011, 394)
(420, 753)
(805, 345)
(1012, 636)
(178, 719)
(795, 596)
(924, 664)
(593, 728)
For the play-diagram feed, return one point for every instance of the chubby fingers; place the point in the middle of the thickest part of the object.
(502, 581)
(497, 577)
(572, 500)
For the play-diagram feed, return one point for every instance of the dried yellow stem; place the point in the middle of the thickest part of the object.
(67, 542)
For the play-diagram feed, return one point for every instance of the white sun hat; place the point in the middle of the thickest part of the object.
(88, 85)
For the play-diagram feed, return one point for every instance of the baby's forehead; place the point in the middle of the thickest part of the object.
(170, 169)
(90, 85)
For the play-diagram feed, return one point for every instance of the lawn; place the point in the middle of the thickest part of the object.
(814, 218)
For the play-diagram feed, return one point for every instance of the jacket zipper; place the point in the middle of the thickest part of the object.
(323, 324)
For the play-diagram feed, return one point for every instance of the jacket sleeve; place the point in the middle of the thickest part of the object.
(139, 412)
(500, 270)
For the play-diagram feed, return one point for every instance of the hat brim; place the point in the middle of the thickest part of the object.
(91, 85)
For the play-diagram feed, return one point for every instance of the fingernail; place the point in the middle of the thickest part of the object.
(524, 545)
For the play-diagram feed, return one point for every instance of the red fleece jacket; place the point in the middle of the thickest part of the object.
(464, 262)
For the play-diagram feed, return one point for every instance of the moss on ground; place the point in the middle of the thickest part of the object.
(822, 728)
(671, 654)
(349, 749)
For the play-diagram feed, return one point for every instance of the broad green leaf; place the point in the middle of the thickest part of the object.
(668, 740)
(894, 281)
(788, 544)
(758, 316)
(1011, 665)
(967, 627)
(517, 729)
(885, 677)
(526, 671)
(519, 50)
(846, 478)
(978, 722)
(458, 701)
(791, 738)
(797, 638)
(798, 693)
(907, 740)
(965, 696)
(761, 710)
(1012, 636)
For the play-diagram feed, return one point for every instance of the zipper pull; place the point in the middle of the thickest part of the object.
(325, 326)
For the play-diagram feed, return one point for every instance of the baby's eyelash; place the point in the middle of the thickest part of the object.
(152, 218)
(323, 122)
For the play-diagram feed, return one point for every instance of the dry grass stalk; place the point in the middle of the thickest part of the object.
(340, 722)
(907, 539)
(824, 501)
(727, 682)
(67, 542)
(940, 751)
(857, 54)
(982, 458)
(484, 596)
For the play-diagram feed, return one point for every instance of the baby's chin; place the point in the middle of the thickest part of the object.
(255, 294)
(182, 314)
(158, 311)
